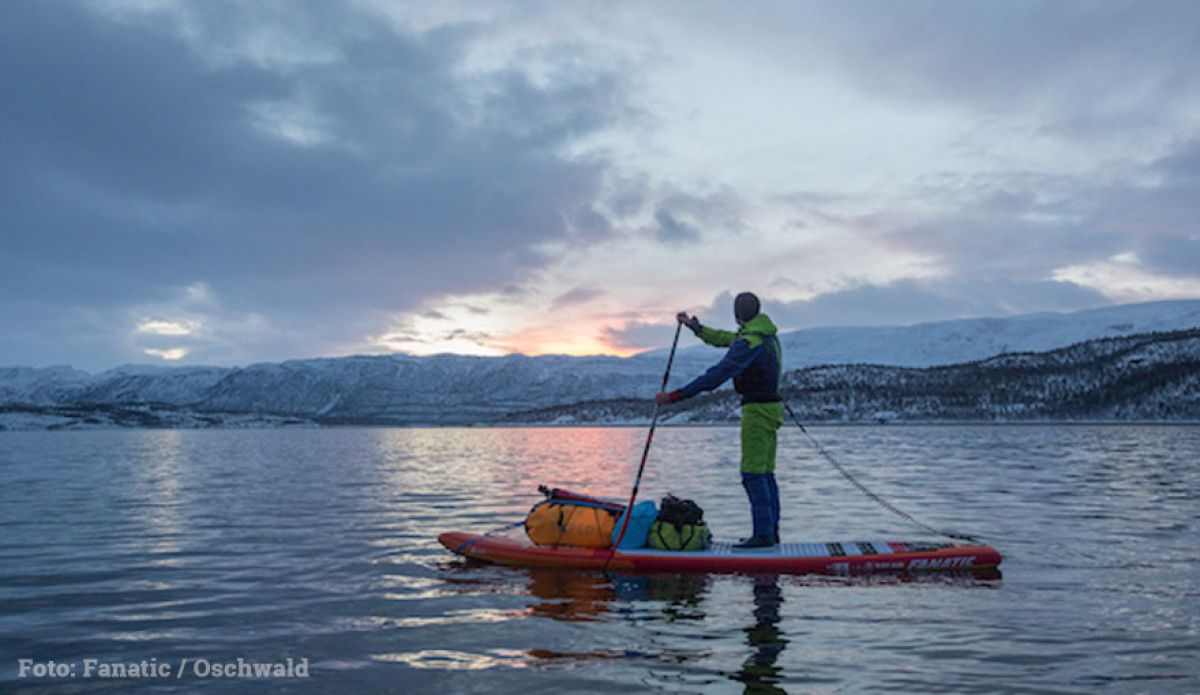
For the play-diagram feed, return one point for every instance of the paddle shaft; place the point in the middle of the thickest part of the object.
(646, 451)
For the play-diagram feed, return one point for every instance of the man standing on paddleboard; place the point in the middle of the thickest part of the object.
(754, 362)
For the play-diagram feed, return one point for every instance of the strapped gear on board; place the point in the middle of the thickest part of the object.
(680, 526)
(565, 518)
(569, 519)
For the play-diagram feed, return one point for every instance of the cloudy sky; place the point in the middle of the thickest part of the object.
(233, 182)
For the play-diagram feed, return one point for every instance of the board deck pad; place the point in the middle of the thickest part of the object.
(833, 549)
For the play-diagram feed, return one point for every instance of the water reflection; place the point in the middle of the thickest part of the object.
(761, 673)
(567, 595)
(152, 497)
(676, 623)
(676, 597)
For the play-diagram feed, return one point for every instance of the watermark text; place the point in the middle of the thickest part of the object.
(156, 669)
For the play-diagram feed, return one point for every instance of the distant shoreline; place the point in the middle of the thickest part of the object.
(265, 422)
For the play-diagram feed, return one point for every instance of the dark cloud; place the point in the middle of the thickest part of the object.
(590, 224)
(900, 303)
(1001, 242)
(1074, 62)
(1182, 166)
(1105, 72)
(347, 168)
(1001, 247)
(1021, 227)
(685, 217)
(629, 195)
(318, 167)
(672, 231)
(579, 295)
(910, 301)
(1161, 223)
(1174, 254)
(637, 335)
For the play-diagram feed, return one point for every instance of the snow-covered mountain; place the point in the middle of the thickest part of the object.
(464, 389)
(969, 340)
(1143, 377)
(42, 386)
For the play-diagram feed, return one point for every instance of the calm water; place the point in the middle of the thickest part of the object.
(125, 547)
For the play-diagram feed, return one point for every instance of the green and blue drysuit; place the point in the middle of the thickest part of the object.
(754, 363)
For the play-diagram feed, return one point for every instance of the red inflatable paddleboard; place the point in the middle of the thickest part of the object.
(840, 557)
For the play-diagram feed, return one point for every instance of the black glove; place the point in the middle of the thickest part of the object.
(691, 322)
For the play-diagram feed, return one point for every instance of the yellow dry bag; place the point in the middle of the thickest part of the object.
(559, 522)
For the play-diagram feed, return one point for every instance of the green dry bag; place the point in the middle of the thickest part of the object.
(667, 536)
(680, 526)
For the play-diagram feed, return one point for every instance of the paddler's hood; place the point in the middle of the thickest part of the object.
(760, 324)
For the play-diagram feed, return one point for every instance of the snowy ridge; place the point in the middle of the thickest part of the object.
(456, 389)
(970, 340)
(1146, 377)
(41, 386)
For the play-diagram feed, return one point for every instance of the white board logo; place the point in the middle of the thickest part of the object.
(944, 563)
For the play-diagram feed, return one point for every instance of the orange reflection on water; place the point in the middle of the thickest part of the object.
(507, 463)
(570, 595)
(593, 460)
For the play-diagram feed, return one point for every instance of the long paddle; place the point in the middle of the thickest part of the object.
(645, 452)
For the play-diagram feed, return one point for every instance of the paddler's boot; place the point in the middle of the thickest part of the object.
(755, 542)
(744, 540)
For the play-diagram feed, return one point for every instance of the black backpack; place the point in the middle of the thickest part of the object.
(679, 512)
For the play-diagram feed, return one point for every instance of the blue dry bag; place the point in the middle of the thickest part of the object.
(638, 533)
